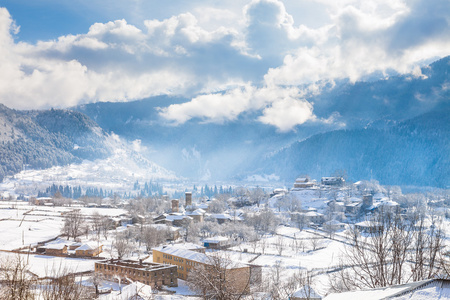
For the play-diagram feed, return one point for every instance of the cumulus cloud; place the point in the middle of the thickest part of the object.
(281, 107)
(116, 61)
(367, 37)
(287, 113)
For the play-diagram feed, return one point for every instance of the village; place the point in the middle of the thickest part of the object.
(283, 243)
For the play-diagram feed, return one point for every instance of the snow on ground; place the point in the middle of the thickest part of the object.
(44, 266)
(27, 225)
(182, 289)
(118, 173)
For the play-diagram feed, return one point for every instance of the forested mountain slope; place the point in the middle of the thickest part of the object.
(41, 139)
(413, 152)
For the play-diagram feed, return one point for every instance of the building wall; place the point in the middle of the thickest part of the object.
(56, 251)
(183, 265)
(240, 277)
(92, 253)
(166, 275)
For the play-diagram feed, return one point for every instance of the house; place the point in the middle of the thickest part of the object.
(217, 242)
(353, 208)
(153, 274)
(333, 181)
(221, 218)
(196, 215)
(161, 219)
(178, 220)
(278, 192)
(369, 227)
(435, 289)
(173, 232)
(315, 217)
(303, 183)
(89, 249)
(333, 225)
(41, 200)
(306, 292)
(56, 249)
(75, 245)
(389, 206)
(187, 260)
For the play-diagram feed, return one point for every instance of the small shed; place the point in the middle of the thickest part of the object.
(217, 242)
(56, 249)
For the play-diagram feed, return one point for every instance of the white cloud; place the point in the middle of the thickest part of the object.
(256, 53)
(287, 113)
(281, 107)
(216, 108)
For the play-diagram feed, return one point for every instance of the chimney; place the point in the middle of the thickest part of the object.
(188, 198)
(174, 206)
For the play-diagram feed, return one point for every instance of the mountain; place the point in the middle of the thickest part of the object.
(42, 139)
(389, 100)
(413, 152)
(232, 150)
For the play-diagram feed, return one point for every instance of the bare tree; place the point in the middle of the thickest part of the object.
(153, 237)
(123, 245)
(17, 281)
(219, 279)
(63, 286)
(314, 243)
(73, 221)
(242, 196)
(96, 223)
(105, 225)
(396, 252)
(257, 196)
(279, 285)
(279, 244)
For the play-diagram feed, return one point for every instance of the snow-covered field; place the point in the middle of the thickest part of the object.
(50, 266)
(118, 173)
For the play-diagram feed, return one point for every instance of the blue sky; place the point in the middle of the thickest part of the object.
(228, 57)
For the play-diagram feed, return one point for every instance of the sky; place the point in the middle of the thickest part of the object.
(227, 57)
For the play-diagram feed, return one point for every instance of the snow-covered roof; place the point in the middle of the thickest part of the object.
(188, 246)
(186, 254)
(200, 211)
(194, 213)
(174, 218)
(301, 179)
(203, 206)
(306, 292)
(427, 289)
(368, 224)
(216, 239)
(313, 214)
(59, 246)
(389, 203)
(88, 246)
(192, 255)
(221, 216)
(331, 178)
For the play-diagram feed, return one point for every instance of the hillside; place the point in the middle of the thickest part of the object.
(42, 139)
(414, 152)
